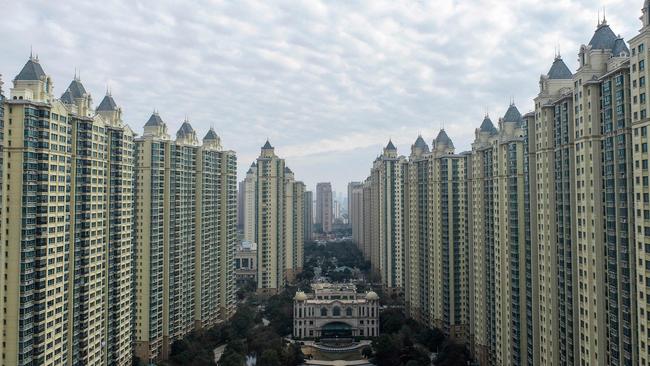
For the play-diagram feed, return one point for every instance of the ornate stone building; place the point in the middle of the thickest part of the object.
(335, 310)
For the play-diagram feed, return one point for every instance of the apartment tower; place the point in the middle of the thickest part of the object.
(185, 235)
(277, 227)
(324, 206)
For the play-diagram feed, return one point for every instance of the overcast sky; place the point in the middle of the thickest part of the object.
(327, 82)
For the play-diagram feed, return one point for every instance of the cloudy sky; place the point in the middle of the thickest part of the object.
(328, 82)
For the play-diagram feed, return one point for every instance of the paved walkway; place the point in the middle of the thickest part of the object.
(338, 363)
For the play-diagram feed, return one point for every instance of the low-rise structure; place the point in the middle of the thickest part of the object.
(335, 311)
(246, 261)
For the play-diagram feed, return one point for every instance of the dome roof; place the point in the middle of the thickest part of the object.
(372, 296)
(300, 296)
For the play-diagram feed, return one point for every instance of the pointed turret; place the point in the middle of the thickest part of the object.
(390, 151)
(620, 48)
(212, 140)
(32, 71)
(512, 114)
(186, 134)
(603, 38)
(32, 83)
(419, 147)
(442, 144)
(559, 70)
(107, 104)
(76, 97)
(487, 126)
(154, 120)
(109, 110)
(267, 150)
(155, 127)
(443, 139)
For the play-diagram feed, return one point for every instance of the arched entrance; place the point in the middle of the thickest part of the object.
(336, 330)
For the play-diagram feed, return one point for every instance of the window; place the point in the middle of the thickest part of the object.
(336, 311)
(641, 81)
(348, 312)
(641, 65)
(323, 311)
(641, 48)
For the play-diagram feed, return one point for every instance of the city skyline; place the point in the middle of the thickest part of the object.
(383, 70)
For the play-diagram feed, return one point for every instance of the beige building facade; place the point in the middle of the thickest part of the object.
(278, 222)
(70, 277)
(324, 206)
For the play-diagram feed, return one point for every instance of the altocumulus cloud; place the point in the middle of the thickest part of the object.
(328, 82)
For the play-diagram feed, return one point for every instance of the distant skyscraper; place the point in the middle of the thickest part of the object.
(324, 206)
(309, 215)
(355, 212)
(250, 204)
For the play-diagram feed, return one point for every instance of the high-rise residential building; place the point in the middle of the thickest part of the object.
(250, 203)
(436, 232)
(355, 212)
(556, 214)
(641, 191)
(294, 231)
(604, 208)
(387, 181)
(70, 277)
(416, 233)
(119, 250)
(324, 206)
(36, 269)
(551, 155)
(308, 219)
(277, 227)
(185, 235)
(241, 199)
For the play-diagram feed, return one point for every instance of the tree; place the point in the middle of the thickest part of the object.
(269, 358)
(453, 354)
(387, 350)
(294, 355)
(232, 359)
(391, 320)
